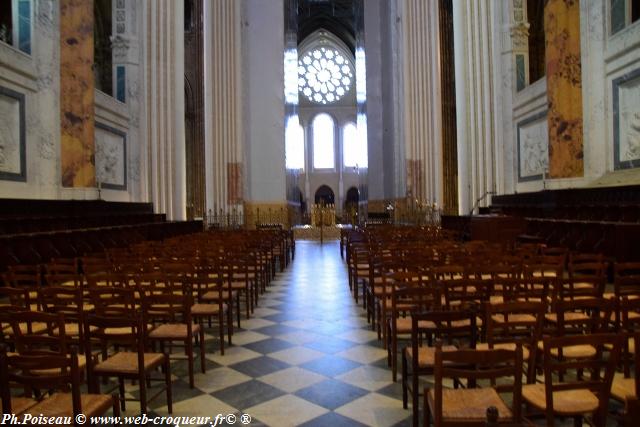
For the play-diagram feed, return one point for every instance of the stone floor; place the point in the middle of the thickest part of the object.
(306, 357)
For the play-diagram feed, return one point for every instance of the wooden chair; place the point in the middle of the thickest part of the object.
(213, 298)
(69, 301)
(407, 297)
(27, 277)
(566, 391)
(626, 284)
(170, 315)
(467, 406)
(512, 323)
(14, 300)
(129, 361)
(62, 373)
(629, 325)
(113, 301)
(586, 279)
(627, 388)
(213, 285)
(456, 328)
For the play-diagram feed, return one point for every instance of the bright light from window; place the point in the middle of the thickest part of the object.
(291, 76)
(350, 145)
(324, 75)
(361, 76)
(363, 155)
(294, 144)
(323, 151)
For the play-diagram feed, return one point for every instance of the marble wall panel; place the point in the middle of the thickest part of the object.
(564, 88)
(111, 157)
(77, 93)
(12, 136)
(626, 120)
(533, 142)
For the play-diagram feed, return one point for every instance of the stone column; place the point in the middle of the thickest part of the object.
(164, 106)
(421, 108)
(225, 174)
(263, 84)
(474, 45)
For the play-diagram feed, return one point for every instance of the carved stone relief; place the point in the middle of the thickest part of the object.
(111, 157)
(533, 148)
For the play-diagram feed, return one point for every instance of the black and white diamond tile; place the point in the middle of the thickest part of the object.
(307, 356)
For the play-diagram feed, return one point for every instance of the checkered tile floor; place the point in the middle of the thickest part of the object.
(306, 357)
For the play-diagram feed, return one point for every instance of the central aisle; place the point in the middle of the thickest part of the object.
(306, 357)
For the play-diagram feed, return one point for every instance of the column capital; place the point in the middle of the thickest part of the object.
(520, 36)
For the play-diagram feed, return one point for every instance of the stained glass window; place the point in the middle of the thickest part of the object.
(324, 75)
(350, 152)
(323, 142)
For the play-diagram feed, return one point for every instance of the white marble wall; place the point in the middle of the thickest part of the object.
(150, 48)
(37, 76)
(605, 59)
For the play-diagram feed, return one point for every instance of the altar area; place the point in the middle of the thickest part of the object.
(323, 224)
(311, 232)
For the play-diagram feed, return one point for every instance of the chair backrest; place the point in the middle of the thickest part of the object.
(600, 366)
(585, 279)
(168, 306)
(627, 279)
(583, 315)
(479, 366)
(121, 333)
(29, 340)
(451, 327)
(109, 279)
(62, 299)
(37, 373)
(113, 301)
(517, 321)
(15, 296)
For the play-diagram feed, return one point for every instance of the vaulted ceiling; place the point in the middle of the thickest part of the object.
(336, 16)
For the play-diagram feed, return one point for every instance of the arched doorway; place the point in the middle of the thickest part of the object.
(351, 205)
(299, 197)
(352, 198)
(324, 194)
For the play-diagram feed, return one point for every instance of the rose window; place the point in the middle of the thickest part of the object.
(324, 75)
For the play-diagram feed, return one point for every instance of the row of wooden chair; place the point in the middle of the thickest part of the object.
(543, 292)
(146, 297)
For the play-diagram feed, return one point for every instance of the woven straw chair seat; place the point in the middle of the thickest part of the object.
(127, 363)
(565, 402)
(206, 309)
(59, 405)
(470, 404)
(215, 295)
(504, 346)
(623, 388)
(572, 351)
(426, 355)
(403, 324)
(173, 331)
